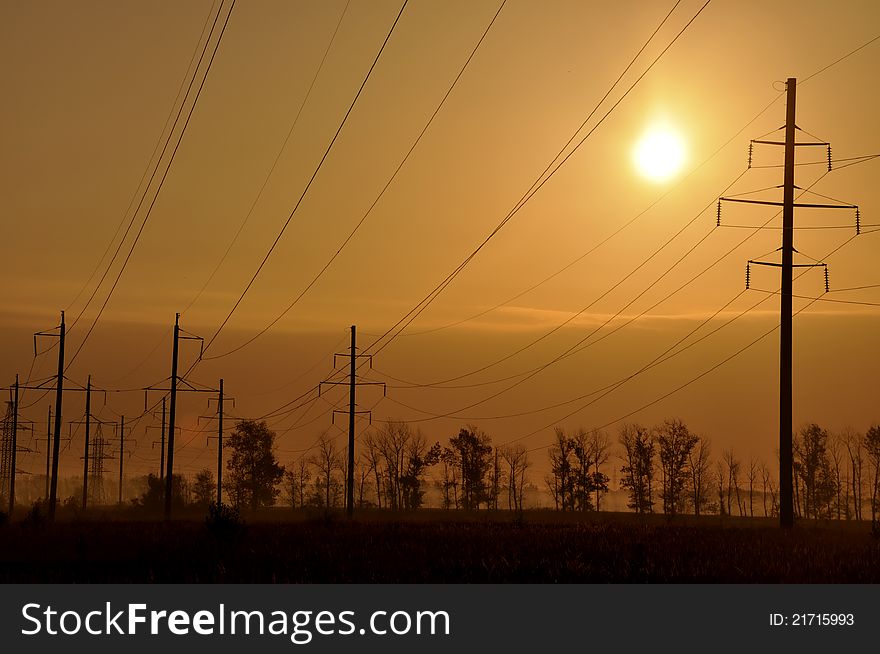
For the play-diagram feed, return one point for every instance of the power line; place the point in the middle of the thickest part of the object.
(159, 187)
(305, 190)
(605, 293)
(580, 346)
(148, 167)
(276, 160)
(408, 318)
(701, 375)
(378, 197)
(837, 61)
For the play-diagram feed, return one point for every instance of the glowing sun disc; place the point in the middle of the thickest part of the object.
(659, 154)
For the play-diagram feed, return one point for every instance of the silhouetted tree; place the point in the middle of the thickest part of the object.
(872, 449)
(698, 473)
(853, 441)
(517, 461)
(327, 462)
(153, 497)
(473, 449)
(418, 458)
(600, 446)
(449, 483)
(373, 457)
(561, 481)
(753, 475)
(204, 489)
(732, 464)
(254, 472)
(811, 454)
(719, 480)
(638, 469)
(296, 482)
(675, 443)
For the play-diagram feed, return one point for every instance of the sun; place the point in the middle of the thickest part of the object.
(659, 154)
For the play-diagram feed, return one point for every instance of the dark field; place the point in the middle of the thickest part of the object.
(439, 547)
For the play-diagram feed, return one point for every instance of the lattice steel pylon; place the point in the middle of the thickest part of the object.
(97, 493)
(6, 451)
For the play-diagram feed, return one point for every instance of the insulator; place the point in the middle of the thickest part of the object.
(829, 156)
(718, 215)
(827, 288)
(748, 275)
(858, 222)
(750, 154)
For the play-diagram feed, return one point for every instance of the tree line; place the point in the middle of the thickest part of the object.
(665, 468)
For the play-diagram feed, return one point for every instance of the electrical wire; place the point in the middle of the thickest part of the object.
(304, 192)
(408, 318)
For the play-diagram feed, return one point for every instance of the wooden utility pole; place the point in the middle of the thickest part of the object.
(56, 442)
(86, 446)
(349, 501)
(14, 448)
(169, 474)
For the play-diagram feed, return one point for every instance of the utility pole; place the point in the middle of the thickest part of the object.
(787, 265)
(169, 475)
(172, 409)
(349, 498)
(786, 485)
(162, 453)
(59, 388)
(220, 445)
(14, 449)
(121, 454)
(85, 497)
(221, 400)
(48, 449)
(352, 384)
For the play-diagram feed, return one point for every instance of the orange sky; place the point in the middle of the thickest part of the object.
(87, 90)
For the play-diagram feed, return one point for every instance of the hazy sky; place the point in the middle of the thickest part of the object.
(88, 87)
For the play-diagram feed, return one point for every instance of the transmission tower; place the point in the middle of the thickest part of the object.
(100, 447)
(6, 450)
(352, 382)
(788, 204)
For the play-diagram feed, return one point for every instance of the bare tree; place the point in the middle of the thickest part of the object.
(719, 479)
(732, 480)
(852, 441)
(836, 455)
(698, 471)
(496, 478)
(296, 481)
(600, 444)
(373, 456)
(449, 466)
(327, 462)
(753, 475)
(872, 449)
(517, 461)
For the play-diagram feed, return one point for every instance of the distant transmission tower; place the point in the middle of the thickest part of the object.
(6, 450)
(100, 445)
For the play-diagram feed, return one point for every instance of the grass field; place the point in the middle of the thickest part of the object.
(436, 546)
